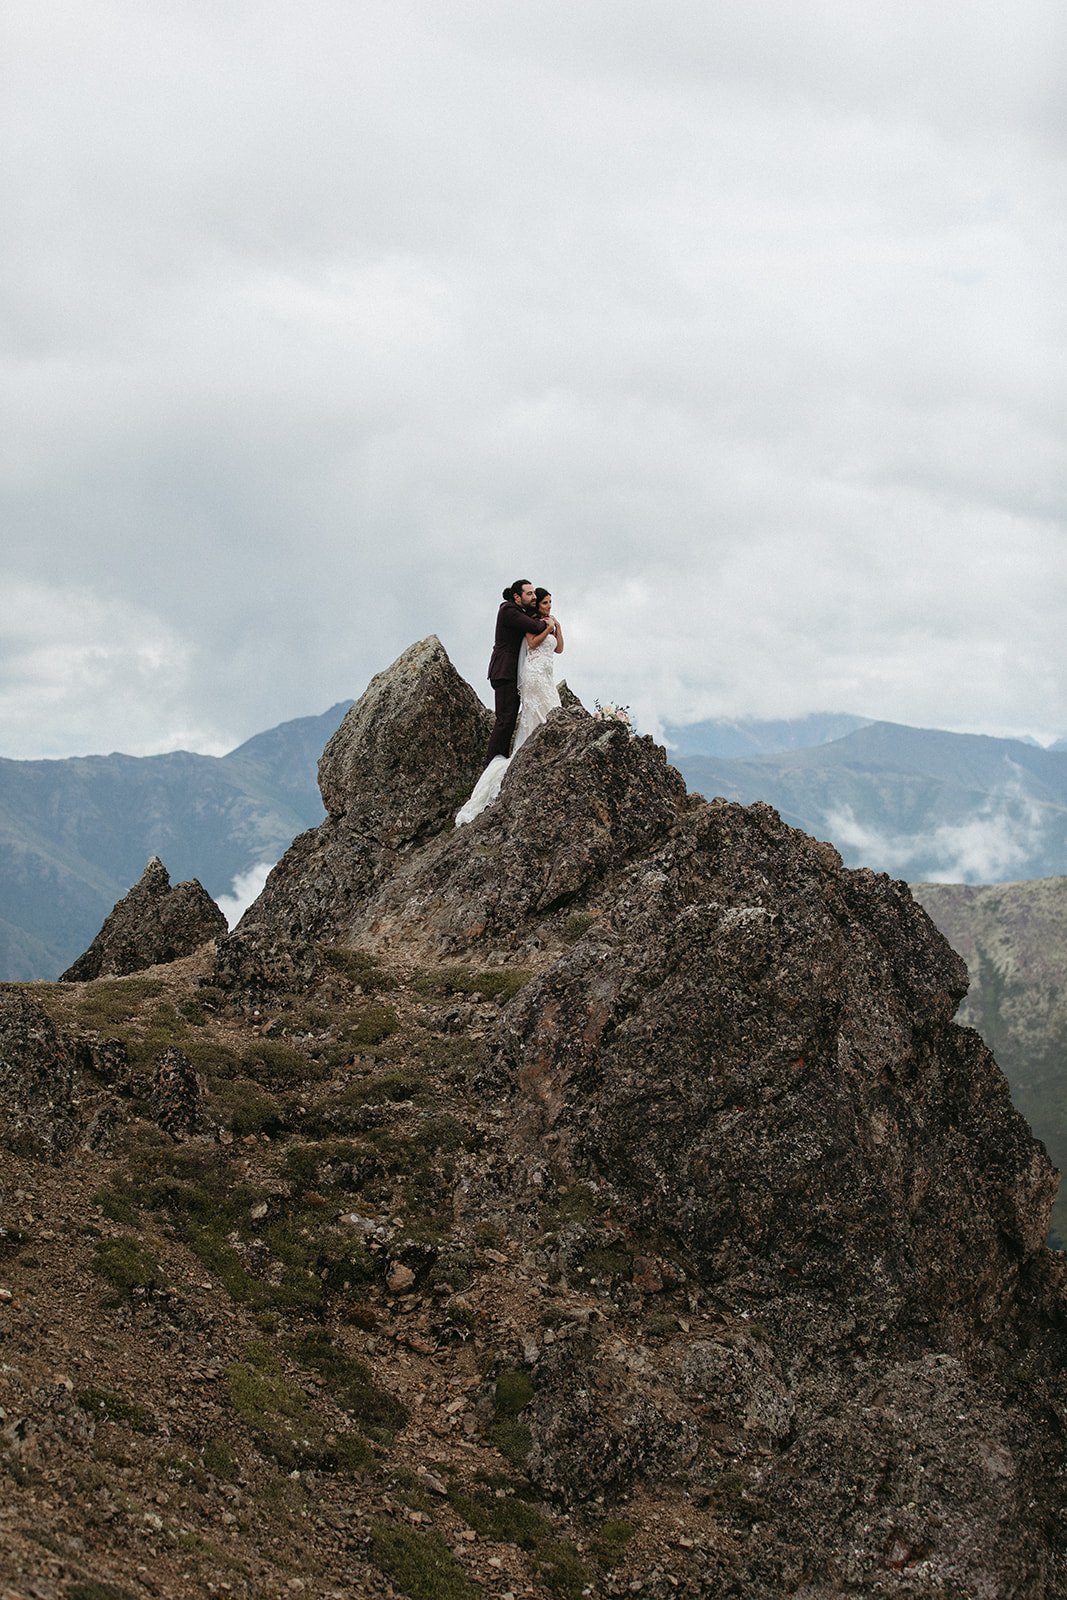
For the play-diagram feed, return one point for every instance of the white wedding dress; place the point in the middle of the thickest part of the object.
(538, 696)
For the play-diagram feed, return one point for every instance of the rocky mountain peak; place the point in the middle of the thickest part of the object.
(153, 923)
(394, 766)
(617, 1159)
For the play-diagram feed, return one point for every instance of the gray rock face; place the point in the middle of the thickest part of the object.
(402, 755)
(579, 802)
(152, 924)
(752, 1053)
(38, 1075)
(394, 774)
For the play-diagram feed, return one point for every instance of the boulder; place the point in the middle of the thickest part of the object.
(39, 1075)
(393, 775)
(152, 924)
(398, 766)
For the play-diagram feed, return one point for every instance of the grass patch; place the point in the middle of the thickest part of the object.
(493, 985)
(109, 1002)
(107, 1406)
(275, 1410)
(420, 1564)
(358, 966)
(245, 1107)
(512, 1519)
(279, 1066)
(221, 1461)
(512, 1393)
(127, 1266)
(116, 1207)
(610, 1541)
(385, 1088)
(351, 1384)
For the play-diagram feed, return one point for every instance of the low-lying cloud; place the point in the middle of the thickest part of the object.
(998, 842)
(247, 887)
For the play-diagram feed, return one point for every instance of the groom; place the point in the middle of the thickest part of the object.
(514, 620)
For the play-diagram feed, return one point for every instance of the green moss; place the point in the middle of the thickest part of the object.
(444, 1135)
(116, 1207)
(107, 1002)
(561, 1570)
(373, 1024)
(512, 1393)
(107, 1406)
(385, 1088)
(321, 1165)
(358, 966)
(575, 925)
(609, 1544)
(408, 1489)
(351, 1384)
(221, 1461)
(246, 1108)
(127, 1266)
(297, 1289)
(511, 1519)
(420, 1564)
(276, 1410)
(606, 1263)
(279, 1066)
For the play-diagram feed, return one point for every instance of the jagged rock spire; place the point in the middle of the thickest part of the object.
(153, 923)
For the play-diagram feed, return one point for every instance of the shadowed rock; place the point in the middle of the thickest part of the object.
(404, 752)
(152, 924)
(751, 1053)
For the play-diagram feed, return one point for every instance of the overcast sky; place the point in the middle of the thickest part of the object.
(738, 323)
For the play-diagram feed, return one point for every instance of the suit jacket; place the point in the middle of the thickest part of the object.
(512, 624)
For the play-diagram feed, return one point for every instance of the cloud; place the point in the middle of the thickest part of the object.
(247, 886)
(736, 326)
(998, 841)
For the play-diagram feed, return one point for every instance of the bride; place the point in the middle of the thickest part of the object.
(538, 696)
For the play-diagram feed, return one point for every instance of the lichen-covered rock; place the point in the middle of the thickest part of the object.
(394, 773)
(152, 924)
(780, 1030)
(38, 1079)
(405, 750)
(579, 802)
(753, 1050)
(175, 1095)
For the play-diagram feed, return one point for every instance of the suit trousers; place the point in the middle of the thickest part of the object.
(506, 691)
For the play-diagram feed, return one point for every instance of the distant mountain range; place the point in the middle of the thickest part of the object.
(75, 834)
(917, 803)
(1013, 937)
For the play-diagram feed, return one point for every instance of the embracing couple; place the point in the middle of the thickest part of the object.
(528, 638)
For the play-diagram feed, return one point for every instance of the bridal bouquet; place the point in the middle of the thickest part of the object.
(610, 712)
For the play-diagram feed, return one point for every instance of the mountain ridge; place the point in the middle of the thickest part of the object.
(599, 1199)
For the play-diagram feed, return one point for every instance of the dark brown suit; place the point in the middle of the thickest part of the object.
(512, 626)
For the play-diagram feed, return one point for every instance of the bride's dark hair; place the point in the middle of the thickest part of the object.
(542, 594)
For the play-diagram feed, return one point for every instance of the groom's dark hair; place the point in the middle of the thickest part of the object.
(516, 588)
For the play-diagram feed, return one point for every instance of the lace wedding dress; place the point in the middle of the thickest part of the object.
(538, 696)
